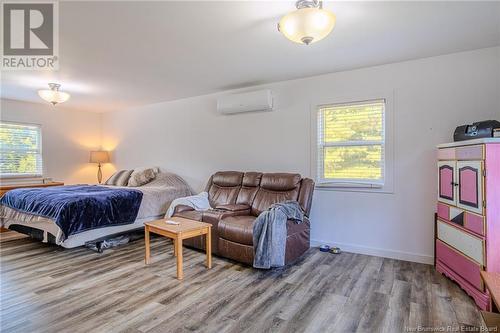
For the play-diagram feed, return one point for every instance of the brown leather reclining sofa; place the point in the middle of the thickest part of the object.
(238, 199)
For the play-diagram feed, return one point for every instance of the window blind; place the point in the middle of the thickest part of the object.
(351, 142)
(20, 150)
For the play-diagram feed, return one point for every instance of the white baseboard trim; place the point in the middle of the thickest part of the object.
(393, 254)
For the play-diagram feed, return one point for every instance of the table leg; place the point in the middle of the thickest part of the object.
(208, 247)
(178, 245)
(175, 247)
(146, 241)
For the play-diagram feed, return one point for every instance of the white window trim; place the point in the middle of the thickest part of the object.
(14, 177)
(360, 185)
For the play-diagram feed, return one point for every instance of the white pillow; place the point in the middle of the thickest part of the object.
(119, 178)
(141, 176)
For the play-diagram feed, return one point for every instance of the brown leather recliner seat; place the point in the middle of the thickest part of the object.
(238, 199)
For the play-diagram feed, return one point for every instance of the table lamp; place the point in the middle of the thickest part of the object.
(99, 157)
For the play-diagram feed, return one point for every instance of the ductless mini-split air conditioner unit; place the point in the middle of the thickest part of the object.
(261, 100)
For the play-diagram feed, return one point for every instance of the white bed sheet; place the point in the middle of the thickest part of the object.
(48, 226)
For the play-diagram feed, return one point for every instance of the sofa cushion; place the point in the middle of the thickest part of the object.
(222, 195)
(213, 216)
(182, 208)
(275, 187)
(190, 214)
(227, 178)
(280, 181)
(251, 179)
(233, 207)
(250, 185)
(246, 195)
(237, 229)
(265, 198)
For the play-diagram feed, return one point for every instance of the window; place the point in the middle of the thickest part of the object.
(20, 150)
(351, 144)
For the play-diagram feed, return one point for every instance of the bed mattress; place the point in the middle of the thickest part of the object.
(156, 199)
(47, 226)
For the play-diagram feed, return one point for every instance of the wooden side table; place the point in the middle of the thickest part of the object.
(6, 188)
(185, 229)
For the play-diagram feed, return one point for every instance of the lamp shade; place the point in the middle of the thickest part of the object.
(54, 95)
(307, 25)
(99, 156)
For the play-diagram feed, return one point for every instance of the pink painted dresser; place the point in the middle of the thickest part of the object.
(468, 210)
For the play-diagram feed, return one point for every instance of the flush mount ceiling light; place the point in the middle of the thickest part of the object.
(308, 24)
(54, 95)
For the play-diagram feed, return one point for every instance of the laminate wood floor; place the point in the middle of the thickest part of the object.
(46, 288)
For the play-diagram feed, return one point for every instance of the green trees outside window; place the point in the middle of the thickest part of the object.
(20, 150)
(351, 142)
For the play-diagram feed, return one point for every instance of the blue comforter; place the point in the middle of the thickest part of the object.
(77, 208)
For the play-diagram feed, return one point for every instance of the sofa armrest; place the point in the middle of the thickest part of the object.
(182, 208)
(233, 207)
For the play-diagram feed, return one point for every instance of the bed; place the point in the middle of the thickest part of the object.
(152, 199)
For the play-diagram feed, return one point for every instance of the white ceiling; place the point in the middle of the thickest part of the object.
(116, 55)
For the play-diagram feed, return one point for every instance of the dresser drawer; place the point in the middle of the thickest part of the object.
(466, 153)
(475, 223)
(470, 221)
(460, 264)
(446, 154)
(470, 245)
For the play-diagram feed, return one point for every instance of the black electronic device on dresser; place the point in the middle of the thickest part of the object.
(480, 129)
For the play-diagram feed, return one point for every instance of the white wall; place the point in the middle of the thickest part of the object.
(67, 138)
(431, 97)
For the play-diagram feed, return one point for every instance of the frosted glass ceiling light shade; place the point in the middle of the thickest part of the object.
(54, 95)
(308, 24)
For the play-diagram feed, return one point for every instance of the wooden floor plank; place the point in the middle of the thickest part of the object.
(44, 288)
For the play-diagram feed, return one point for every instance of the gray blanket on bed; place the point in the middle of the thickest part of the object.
(269, 233)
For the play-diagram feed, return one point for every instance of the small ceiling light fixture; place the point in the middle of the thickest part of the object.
(308, 24)
(54, 95)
